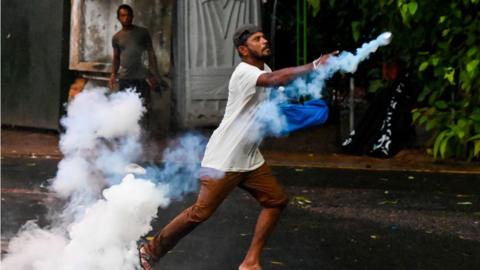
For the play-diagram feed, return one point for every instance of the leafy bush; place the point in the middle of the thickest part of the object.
(439, 41)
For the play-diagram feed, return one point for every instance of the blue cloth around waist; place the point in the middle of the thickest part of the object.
(311, 113)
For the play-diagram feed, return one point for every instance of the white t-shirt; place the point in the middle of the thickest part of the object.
(233, 146)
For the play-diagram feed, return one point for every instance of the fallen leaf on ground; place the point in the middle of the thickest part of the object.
(464, 203)
(388, 202)
(302, 201)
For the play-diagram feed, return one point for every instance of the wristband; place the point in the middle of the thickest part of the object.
(316, 64)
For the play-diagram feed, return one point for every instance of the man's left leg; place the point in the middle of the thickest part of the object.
(269, 193)
(265, 223)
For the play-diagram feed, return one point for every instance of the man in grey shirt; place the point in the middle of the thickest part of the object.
(129, 45)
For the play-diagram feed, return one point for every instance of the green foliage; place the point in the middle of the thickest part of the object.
(457, 133)
(439, 41)
(315, 4)
(448, 73)
(356, 30)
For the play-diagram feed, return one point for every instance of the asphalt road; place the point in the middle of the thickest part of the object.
(337, 219)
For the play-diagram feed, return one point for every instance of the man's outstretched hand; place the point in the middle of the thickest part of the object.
(112, 82)
(323, 59)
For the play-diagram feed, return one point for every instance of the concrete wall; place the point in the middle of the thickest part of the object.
(34, 62)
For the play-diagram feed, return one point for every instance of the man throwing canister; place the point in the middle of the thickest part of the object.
(232, 158)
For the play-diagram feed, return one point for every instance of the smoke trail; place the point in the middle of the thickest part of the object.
(270, 119)
(181, 166)
(106, 212)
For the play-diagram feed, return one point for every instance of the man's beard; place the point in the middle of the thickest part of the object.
(258, 56)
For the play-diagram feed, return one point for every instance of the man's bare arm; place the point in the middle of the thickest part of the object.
(286, 75)
(152, 60)
(152, 80)
(283, 76)
(115, 66)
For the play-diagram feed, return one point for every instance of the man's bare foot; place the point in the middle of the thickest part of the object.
(245, 266)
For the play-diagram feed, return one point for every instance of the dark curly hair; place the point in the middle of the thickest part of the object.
(124, 6)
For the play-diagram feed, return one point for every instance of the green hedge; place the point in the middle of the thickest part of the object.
(439, 41)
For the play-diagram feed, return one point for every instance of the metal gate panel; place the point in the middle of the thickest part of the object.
(32, 51)
(206, 56)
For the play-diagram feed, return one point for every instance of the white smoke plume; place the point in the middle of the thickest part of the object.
(104, 237)
(270, 118)
(106, 210)
(101, 137)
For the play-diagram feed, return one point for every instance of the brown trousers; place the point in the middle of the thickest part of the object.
(260, 183)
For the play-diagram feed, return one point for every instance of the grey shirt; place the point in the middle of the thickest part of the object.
(132, 45)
